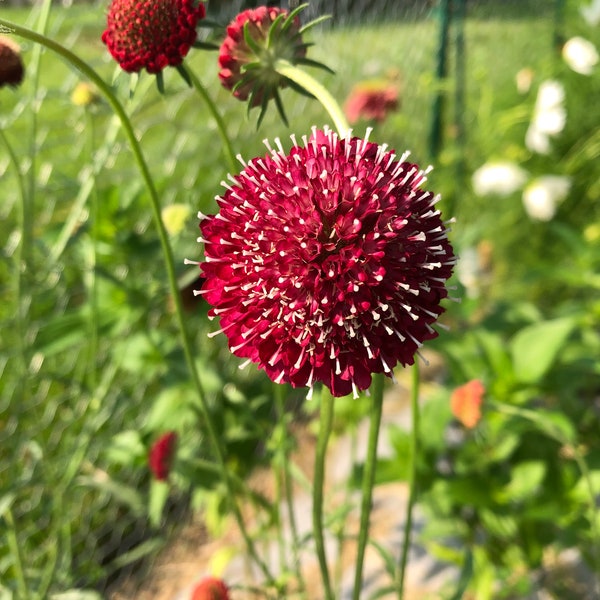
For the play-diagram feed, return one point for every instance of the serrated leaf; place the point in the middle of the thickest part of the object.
(535, 348)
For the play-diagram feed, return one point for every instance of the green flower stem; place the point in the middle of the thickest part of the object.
(216, 115)
(368, 480)
(15, 551)
(105, 89)
(412, 480)
(286, 479)
(20, 267)
(325, 426)
(311, 85)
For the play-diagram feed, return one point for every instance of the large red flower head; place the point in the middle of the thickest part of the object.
(210, 588)
(151, 34)
(247, 60)
(11, 65)
(162, 454)
(327, 264)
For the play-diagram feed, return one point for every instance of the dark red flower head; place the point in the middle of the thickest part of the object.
(11, 65)
(151, 34)
(161, 455)
(327, 264)
(210, 588)
(247, 62)
(371, 100)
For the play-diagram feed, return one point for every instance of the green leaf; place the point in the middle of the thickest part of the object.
(526, 478)
(159, 494)
(535, 348)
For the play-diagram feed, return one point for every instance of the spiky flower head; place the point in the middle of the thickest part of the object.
(256, 39)
(328, 263)
(210, 588)
(162, 453)
(11, 64)
(151, 34)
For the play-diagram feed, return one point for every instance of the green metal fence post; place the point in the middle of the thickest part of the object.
(435, 135)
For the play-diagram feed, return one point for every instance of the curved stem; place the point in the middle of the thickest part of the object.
(368, 479)
(311, 85)
(412, 492)
(216, 115)
(325, 425)
(105, 89)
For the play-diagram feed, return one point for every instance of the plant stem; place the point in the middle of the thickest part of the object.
(312, 86)
(325, 426)
(368, 480)
(105, 89)
(287, 485)
(412, 480)
(15, 552)
(216, 115)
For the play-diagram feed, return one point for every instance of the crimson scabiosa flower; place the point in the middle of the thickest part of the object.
(371, 100)
(256, 39)
(162, 454)
(151, 34)
(210, 588)
(11, 64)
(328, 263)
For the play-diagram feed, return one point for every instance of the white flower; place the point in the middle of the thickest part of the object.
(549, 116)
(499, 178)
(581, 55)
(591, 13)
(543, 195)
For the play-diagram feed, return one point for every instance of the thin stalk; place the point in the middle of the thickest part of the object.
(412, 480)
(325, 426)
(29, 199)
(368, 480)
(136, 149)
(312, 86)
(15, 552)
(216, 115)
(287, 487)
(20, 283)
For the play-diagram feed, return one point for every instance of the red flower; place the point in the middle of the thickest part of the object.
(465, 402)
(273, 37)
(11, 65)
(161, 455)
(328, 264)
(210, 588)
(371, 100)
(151, 34)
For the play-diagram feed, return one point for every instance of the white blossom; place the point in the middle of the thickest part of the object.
(581, 55)
(591, 13)
(499, 178)
(549, 116)
(543, 195)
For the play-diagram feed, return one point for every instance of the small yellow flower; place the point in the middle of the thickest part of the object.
(84, 94)
(174, 217)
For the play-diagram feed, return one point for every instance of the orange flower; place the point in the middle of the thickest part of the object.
(465, 402)
(372, 100)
